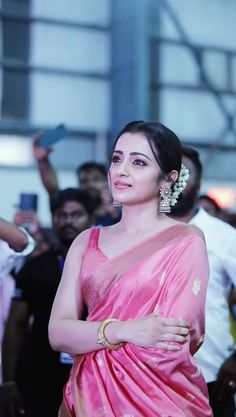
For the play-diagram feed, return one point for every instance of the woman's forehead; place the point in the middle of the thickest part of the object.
(133, 142)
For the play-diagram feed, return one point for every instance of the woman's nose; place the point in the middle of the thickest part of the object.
(123, 168)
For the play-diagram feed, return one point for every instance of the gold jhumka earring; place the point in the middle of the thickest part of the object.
(165, 192)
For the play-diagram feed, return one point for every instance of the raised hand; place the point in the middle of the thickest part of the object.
(39, 151)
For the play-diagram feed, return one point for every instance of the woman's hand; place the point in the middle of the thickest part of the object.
(150, 331)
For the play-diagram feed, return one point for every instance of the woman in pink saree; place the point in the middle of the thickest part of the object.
(144, 283)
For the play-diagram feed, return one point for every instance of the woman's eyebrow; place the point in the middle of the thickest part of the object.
(140, 153)
(133, 153)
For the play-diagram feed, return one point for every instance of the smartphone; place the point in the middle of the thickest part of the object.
(28, 202)
(50, 137)
(27, 205)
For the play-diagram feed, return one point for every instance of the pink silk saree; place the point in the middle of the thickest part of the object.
(165, 273)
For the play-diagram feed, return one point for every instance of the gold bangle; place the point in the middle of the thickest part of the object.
(102, 340)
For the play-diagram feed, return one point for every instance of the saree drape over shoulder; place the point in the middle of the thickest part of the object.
(165, 273)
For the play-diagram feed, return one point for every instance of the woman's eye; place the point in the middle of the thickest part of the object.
(139, 162)
(115, 159)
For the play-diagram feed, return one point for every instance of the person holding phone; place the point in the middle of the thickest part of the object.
(38, 389)
(26, 217)
(91, 176)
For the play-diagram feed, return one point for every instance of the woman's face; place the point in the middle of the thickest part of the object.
(134, 173)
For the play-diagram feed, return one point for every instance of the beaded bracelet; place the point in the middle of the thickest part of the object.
(102, 340)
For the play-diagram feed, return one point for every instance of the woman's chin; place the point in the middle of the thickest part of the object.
(130, 203)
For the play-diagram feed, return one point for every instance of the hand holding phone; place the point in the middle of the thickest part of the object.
(50, 137)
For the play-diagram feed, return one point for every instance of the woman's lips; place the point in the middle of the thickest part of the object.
(120, 185)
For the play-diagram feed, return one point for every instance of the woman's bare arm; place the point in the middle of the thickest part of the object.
(66, 331)
(70, 334)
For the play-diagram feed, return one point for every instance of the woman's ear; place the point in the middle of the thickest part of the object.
(173, 176)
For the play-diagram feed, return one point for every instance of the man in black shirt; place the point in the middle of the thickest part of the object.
(45, 371)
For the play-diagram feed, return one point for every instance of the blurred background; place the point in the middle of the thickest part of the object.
(95, 65)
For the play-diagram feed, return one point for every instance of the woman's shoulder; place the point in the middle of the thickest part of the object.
(195, 230)
(190, 229)
(81, 241)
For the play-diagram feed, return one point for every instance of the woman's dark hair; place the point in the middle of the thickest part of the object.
(165, 145)
(74, 194)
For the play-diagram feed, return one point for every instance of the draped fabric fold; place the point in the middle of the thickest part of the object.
(166, 273)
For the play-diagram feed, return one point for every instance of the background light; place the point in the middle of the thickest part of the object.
(15, 151)
(225, 197)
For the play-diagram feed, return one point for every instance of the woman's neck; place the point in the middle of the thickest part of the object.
(140, 217)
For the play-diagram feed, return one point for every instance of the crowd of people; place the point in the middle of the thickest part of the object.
(124, 312)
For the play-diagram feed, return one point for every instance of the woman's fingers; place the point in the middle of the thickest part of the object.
(183, 331)
(173, 322)
(164, 332)
(170, 321)
(173, 338)
(166, 346)
(175, 334)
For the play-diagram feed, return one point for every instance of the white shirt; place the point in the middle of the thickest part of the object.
(221, 246)
(8, 256)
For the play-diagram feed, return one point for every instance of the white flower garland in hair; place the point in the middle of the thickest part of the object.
(179, 185)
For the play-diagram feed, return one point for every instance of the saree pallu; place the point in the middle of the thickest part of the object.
(166, 273)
